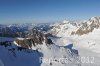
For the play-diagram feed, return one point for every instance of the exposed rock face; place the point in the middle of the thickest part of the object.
(33, 38)
(89, 26)
(26, 43)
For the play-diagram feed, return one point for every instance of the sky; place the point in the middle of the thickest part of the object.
(38, 11)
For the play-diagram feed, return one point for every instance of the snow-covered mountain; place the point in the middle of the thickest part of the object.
(76, 28)
(89, 26)
(36, 50)
(18, 30)
(38, 55)
(28, 44)
(65, 27)
(84, 36)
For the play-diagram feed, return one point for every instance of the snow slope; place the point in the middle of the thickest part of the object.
(88, 44)
(11, 56)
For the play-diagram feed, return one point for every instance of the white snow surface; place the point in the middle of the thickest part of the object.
(88, 45)
(31, 57)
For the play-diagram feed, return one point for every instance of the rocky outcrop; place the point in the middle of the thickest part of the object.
(26, 43)
(88, 26)
(33, 38)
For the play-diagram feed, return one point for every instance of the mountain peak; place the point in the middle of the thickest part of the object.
(65, 21)
(94, 19)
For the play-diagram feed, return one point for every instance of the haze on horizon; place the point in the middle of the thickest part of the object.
(37, 11)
